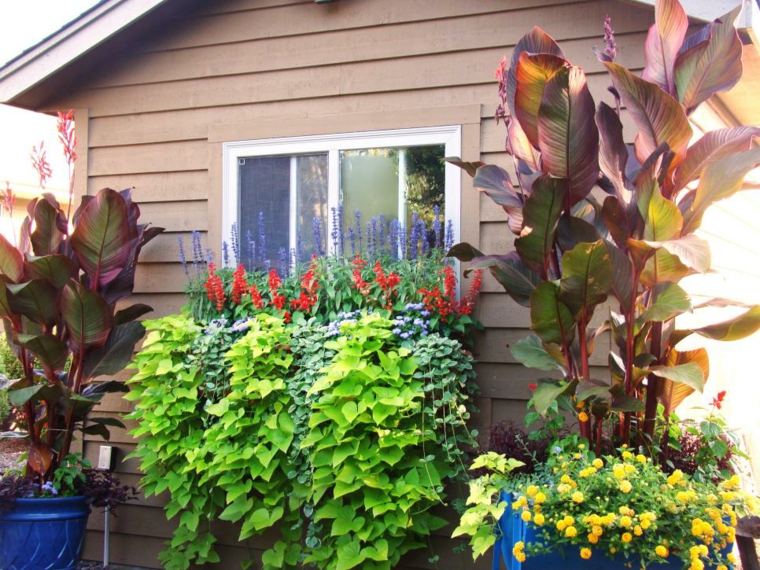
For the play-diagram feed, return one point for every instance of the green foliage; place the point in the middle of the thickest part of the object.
(343, 442)
(576, 250)
(58, 291)
(479, 520)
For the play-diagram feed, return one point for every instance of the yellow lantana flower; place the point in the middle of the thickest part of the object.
(661, 551)
(627, 537)
(585, 553)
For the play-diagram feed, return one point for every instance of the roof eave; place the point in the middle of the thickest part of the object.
(70, 43)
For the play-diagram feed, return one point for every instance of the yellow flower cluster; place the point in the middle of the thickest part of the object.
(518, 551)
(584, 509)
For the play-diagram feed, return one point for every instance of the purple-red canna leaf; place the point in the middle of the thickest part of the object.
(540, 217)
(36, 300)
(87, 317)
(671, 394)
(664, 42)
(586, 278)
(56, 269)
(535, 41)
(11, 262)
(47, 235)
(613, 153)
(711, 147)
(495, 182)
(550, 318)
(720, 179)
(567, 135)
(659, 117)
(710, 62)
(533, 72)
(102, 236)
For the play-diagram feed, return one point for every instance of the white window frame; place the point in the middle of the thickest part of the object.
(332, 144)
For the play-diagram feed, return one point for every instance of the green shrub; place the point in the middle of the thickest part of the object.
(342, 436)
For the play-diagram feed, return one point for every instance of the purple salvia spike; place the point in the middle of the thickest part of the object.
(209, 255)
(262, 238)
(251, 249)
(414, 237)
(182, 257)
(352, 240)
(334, 230)
(381, 237)
(197, 252)
(393, 238)
(375, 248)
(424, 239)
(225, 254)
(299, 247)
(316, 224)
(449, 243)
(283, 260)
(402, 241)
(235, 243)
(358, 216)
(437, 225)
(341, 236)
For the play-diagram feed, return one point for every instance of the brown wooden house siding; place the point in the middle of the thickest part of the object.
(155, 118)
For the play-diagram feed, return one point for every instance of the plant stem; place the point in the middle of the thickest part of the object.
(653, 382)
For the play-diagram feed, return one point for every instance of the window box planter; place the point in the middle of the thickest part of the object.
(43, 534)
(514, 529)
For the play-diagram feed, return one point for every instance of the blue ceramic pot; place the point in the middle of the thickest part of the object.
(514, 529)
(43, 534)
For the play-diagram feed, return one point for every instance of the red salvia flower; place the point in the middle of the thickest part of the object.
(359, 281)
(276, 300)
(387, 284)
(239, 284)
(256, 299)
(532, 387)
(467, 303)
(40, 164)
(309, 287)
(67, 135)
(215, 288)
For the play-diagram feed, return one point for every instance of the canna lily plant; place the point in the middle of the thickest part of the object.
(601, 225)
(59, 288)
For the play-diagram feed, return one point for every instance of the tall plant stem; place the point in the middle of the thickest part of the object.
(653, 382)
(70, 413)
(585, 371)
(625, 436)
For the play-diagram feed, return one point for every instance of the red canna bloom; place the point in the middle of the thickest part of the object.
(40, 164)
(718, 399)
(67, 135)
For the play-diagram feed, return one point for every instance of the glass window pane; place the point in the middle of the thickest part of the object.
(264, 209)
(311, 205)
(371, 181)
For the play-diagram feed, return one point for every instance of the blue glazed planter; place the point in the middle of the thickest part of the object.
(43, 534)
(514, 529)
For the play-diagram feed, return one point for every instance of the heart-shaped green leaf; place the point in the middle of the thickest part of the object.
(530, 352)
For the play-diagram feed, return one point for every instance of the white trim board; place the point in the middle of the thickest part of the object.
(70, 43)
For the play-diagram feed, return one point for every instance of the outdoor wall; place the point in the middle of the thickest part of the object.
(155, 118)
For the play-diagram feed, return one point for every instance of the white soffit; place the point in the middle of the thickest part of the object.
(69, 43)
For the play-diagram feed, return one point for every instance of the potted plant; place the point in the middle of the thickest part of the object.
(59, 286)
(599, 223)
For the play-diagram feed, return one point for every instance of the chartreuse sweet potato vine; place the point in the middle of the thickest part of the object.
(343, 442)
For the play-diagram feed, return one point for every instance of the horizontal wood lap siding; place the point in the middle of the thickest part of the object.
(159, 113)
